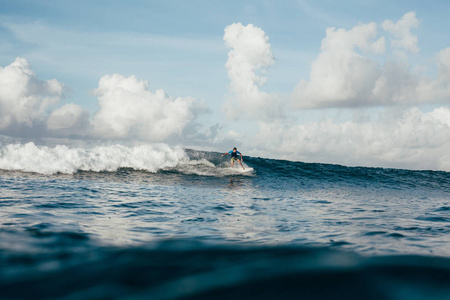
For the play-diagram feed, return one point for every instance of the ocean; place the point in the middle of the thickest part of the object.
(151, 221)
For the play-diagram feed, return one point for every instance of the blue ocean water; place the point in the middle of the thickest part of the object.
(160, 222)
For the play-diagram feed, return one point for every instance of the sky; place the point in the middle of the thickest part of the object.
(359, 83)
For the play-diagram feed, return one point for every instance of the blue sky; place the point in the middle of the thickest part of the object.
(179, 47)
(192, 61)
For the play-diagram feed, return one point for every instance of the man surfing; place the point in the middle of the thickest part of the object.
(234, 157)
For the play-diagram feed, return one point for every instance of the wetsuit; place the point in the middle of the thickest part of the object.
(234, 155)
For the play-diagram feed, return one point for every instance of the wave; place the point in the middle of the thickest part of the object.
(331, 174)
(53, 158)
(66, 159)
(34, 158)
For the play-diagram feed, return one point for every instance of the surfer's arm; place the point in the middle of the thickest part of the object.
(241, 156)
(224, 154)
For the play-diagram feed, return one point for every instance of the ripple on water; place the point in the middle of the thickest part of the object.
(199, 220)
(372, 233)
(222, 207)
(322, 202)
(144, 212)
(396, 235)
(443, 208)
(59, 205)
(428, 230)
(433, 218)
(384, 233)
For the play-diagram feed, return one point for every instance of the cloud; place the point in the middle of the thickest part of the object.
(411, 139)
(440, 88)
(348, 72)
(356, 69)
(71, 119)
(24, 98)
(129, 110)
(437, 89)
(341, 76)
(403, 38)
(248, 59)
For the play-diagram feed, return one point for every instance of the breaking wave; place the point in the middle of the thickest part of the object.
(30, 157)
(55, 157)
(67, 159)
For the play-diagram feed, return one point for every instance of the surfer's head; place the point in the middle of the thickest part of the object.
(234, 149)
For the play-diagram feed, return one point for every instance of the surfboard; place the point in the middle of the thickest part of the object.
(238, 168)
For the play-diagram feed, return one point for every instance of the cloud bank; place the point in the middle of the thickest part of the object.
(411, 139)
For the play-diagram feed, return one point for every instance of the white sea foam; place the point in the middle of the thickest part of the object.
(30, 157)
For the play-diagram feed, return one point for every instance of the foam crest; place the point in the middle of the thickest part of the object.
(68, 160)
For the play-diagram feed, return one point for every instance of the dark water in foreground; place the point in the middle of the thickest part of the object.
(80, 224)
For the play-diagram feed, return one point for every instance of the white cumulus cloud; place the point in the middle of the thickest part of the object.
(440, 88)
(341, 76)
(70, 119)
(24, 98)
(128, 109)
(353, 69)
(248, 59)
(403, 38)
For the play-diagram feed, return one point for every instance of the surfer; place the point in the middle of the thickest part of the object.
(234, 157)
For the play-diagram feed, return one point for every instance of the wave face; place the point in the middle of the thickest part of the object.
(356, 176)
(67, 159)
